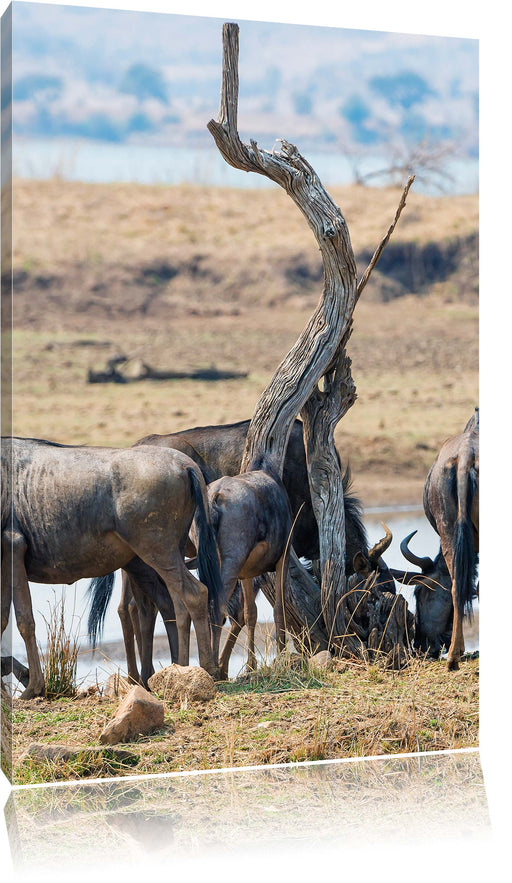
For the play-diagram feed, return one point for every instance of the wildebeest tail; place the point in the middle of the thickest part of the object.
(100, 592)
(207, 557)
(265, 463)
(465, 559)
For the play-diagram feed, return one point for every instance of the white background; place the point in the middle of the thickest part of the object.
(489, 23)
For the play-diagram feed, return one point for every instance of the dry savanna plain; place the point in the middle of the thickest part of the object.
(189, 279)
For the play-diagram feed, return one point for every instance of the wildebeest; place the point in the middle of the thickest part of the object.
(450, 501)
(250, 514)
(218, 452)
(433, 597)
(71, 512)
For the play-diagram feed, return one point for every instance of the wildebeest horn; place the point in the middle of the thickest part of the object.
(380, 547)
(425, 563)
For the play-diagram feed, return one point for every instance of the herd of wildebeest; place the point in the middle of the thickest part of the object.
(173, 505)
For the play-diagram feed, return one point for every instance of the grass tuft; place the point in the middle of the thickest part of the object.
(60, 656)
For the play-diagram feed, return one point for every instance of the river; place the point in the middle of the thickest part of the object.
(110, 655)
(103, 162)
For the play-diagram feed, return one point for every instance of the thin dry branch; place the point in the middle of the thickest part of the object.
(384, 241)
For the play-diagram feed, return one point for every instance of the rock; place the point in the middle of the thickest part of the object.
(66, 753)
(183, 682)
(138, 714)
(117, 686)
(38, 751)
(321, 660)
(86, 693)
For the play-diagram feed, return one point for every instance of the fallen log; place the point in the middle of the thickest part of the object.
(112, 374)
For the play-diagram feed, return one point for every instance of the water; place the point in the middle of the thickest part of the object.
(102, 162)
(97, 667)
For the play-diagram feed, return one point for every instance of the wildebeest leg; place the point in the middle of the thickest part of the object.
(229, 571)
(14, 575)
(281, 578)
(141, 579)
(456, 649)
(250, 616)
(183, 626)
(20, 671)
(194, 595)
(5, 589)
(133, 611)
(167, 611)
(234, 631)
(165, 607)
(124, 610)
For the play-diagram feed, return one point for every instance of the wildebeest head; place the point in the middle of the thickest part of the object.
(432, 593)
(378, 615)
(371, 563)
(370, 573)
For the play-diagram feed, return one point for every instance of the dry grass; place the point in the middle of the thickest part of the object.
(91, 264)
(60, 223)
(61, 654)
(355, 710)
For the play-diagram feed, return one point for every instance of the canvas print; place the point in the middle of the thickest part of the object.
(240, 393)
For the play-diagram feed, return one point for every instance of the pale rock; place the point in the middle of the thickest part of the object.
(183, 682)
(116, 686)
(138, 714)
(323, 659)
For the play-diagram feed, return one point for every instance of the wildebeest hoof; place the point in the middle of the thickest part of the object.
(453, 664)
(32, 692)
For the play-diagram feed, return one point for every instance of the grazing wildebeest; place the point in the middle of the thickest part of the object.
(450, 501)
(73, 512)
(356, 541)
(250, 514)
(432, 592)
(218, 452)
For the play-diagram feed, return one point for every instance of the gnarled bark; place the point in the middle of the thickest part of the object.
(313, 353)
(318, 353)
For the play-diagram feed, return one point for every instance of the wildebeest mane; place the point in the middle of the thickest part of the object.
(353, 519)
(40, 441)
(264, 463)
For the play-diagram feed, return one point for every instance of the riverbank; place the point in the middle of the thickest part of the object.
(283, 715)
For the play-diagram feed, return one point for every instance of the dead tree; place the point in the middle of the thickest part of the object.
(312, 612)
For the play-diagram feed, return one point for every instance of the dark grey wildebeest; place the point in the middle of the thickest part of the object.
(432, 593)
(446, 586)
(251, 516)
(73, 512)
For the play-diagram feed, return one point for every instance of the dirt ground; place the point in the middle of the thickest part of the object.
(184, 278)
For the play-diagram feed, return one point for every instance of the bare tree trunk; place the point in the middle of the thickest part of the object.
(313, 353)
(321, 414)
(319, 352)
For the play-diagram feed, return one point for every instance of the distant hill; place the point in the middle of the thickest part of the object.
(130, 76)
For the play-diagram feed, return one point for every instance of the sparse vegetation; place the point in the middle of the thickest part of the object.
(102, 270)
(284, 716)
(60, 656)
